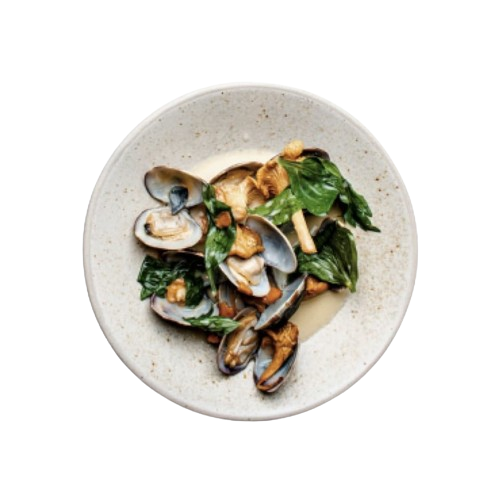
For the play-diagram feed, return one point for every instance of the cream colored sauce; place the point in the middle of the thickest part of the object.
(210, 167)
(315, 313)
(312, 314)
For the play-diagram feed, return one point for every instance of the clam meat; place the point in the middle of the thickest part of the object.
(239, 347)
(160, 228)
(275, 357)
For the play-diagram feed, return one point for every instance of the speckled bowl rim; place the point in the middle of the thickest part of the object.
(98, 310)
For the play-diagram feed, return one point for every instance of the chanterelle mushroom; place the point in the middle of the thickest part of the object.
(293, 149)
(260, 303)
(246, 243)
(176, 292)
(284, 341)
(315, 287)
(272, 179)
(239, 192)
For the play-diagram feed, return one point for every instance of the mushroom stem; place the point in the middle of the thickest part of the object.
(272, 179)
(305, 239)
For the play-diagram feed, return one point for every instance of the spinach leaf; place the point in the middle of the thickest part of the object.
(219, 240)
(314, 185)
(214, 324)
(356, 209)
(336, 261)
(280, 209)
(155, 275)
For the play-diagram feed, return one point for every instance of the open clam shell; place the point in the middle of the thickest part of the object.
(236, 173)
(278, 252)
(263, 359)
(317, 152)
(174, 187)
(239, 347)
(176, 313)
(235, 187)
(249, 276)
(285, 306)
(160, 228)
(230, 301)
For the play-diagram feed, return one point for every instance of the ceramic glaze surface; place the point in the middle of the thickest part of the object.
(177, 362)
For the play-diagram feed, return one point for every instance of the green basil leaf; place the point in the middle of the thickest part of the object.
(343, 245)
(336, 261)
(325, 233)
(219, 241)
(155, 275)
(194, 290)
(331, 168)
(280, 209)
(314, 186)
(214, 206)
(214, 324)
(325, 266)
(317, 182)
(217, 246)
(356, 209)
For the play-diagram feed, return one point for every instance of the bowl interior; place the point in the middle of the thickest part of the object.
(178, 363)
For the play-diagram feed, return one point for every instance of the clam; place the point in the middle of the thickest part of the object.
(249, 276)
(239, 347)
(230, 301)
(176, 312)
(285, 306)
(160, 228)
(236, 187)
(172, 227)
(174, 187)
(280, 278)
(235, 173)
(172, 306)
(278, 252)
(275, 357)
(316, 152)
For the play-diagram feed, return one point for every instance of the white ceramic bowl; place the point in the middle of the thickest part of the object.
(178, 363)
